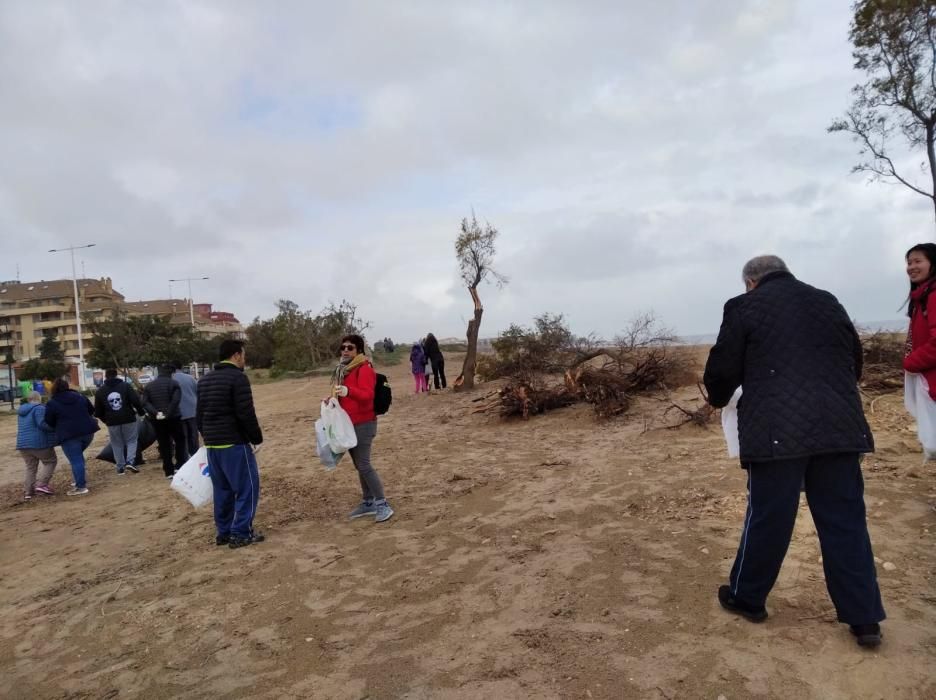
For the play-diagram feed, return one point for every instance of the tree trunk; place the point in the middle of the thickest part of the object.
(467, 376)
(931, 156)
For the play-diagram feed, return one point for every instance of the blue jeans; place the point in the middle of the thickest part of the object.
(74, 451)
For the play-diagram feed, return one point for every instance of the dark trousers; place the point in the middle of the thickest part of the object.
(438, 371)
(835, 493)
(190, 428)
(236, 482)
(170, 437)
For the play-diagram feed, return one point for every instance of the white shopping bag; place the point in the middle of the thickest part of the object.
(729, 422)
(338, 426)
(328, 457)
(923, 408)
(192, 480)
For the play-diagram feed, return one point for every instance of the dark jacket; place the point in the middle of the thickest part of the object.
(795, 353)
(162, 394)
(116, 403)
(32, 432)
(225, 412)
(432, 349)
(71, 415)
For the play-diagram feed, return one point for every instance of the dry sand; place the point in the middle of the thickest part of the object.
(556, 558)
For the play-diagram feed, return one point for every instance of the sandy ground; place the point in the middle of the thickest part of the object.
(556, 558)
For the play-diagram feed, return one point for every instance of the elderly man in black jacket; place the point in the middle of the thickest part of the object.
(796, 355)
(161, 399)
(228, 424)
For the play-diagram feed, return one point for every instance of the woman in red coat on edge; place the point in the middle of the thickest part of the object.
(355, 380)
(921, 340)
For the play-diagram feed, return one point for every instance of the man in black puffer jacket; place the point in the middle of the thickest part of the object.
(796, 355)
(161, 399)
(228, 424)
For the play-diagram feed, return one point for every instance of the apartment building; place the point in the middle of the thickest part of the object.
(207, 321)
(30, 310)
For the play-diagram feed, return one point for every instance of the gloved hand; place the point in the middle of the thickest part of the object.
(160, 415)
(341, 390)
(256, 448)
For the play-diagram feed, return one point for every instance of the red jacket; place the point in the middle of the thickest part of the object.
(359, 403)
(922, 356)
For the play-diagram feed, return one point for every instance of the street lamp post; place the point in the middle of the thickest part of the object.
(190, 306)
(81, 365)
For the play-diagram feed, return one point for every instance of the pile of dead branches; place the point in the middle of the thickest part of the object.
(883, 362)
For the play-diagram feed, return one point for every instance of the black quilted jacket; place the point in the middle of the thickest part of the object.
(225, 410)
(796, 355)
(162, 394)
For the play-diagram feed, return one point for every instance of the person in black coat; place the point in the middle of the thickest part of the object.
(161, 398)
(795, 353)
(117, 404)
(71, 415)
(436, 359)
(228, 425)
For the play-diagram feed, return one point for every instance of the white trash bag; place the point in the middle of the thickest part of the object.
(729, 422)
(328, 457)
(192, 480)
(338, 426)
(922, 407)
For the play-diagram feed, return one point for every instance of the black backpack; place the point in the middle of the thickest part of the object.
(383, 397)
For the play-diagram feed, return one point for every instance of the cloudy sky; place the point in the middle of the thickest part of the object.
(632, 155)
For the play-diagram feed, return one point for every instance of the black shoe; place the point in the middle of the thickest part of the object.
(222, 540)
(731, 604)
(236, 542)
(867, 635)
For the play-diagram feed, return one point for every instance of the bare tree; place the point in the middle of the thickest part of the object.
(475, 250)
(895, 45)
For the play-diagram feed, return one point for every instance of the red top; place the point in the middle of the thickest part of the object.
(922, 357)
(359, 403)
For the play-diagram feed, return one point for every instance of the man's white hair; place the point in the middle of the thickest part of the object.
(756, 268)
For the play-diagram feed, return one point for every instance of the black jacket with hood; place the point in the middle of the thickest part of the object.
(117, 403)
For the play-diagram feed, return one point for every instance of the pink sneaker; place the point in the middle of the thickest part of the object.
(45, 488)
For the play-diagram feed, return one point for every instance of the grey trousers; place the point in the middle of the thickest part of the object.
(32, 458)
(123, 439)
(371, 486)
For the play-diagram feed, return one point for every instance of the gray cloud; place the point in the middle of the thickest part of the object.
(632, 157)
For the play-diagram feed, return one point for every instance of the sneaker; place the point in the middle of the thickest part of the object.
(132, 467)
(27, 496)
(169, 476)
(45, 488)
(733, 605)
(867, 635)
(384, 511)
(222, 540)
(236, 542)
(120, 471)
(77, 492)
(365, 508)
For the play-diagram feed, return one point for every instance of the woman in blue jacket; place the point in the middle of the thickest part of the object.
(72, 416)
(35, 441)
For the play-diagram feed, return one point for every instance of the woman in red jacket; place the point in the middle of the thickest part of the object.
(355, 380)
(921, 340)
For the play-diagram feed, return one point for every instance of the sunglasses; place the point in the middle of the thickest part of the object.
(349, 347)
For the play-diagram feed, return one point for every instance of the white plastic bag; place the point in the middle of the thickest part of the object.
(328, 458)
(729, 422)
(923, 408)
(338, 426)
(192, 480)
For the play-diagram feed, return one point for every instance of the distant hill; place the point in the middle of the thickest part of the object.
(863, 327)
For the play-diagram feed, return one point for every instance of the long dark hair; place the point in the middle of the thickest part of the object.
(929, 251)
(59, 386)
(431, 345)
